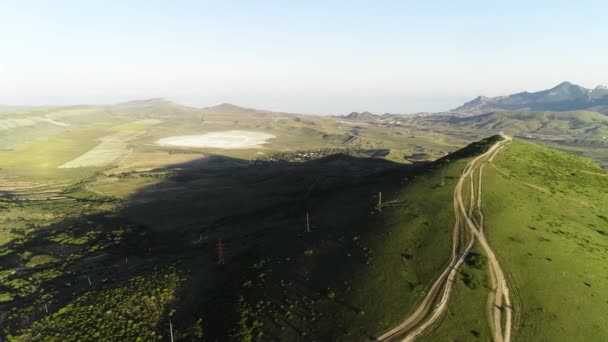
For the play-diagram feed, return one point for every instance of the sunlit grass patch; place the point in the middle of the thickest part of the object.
(131, 311)
(38, 260)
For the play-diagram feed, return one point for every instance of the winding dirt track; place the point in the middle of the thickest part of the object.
(468, 228)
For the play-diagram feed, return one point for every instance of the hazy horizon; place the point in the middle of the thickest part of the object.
(314, 58)
(303, 105)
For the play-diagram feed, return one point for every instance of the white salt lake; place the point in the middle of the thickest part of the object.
(223, 140)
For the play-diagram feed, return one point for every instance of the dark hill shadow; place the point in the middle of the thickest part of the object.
(205, 193)
(178, 221)
(292, 233)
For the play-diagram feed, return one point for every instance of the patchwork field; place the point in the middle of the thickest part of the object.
(111, 149)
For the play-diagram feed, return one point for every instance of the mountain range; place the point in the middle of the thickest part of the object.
(563, 97)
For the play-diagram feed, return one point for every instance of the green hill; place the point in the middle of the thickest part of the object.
(577, 124)
(579, 132)
(365, 116)
(547, 216)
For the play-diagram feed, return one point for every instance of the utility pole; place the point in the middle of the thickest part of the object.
(220, 252)
(307, 223)
(46, 309)
(380, 200)
(171, 330)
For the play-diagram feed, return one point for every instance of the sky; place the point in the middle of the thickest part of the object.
(323, 57)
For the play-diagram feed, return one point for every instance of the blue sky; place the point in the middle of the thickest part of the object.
(299, 56)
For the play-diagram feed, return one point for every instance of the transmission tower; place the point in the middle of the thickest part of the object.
(220, 252)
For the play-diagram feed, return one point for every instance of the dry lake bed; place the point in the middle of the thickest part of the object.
(224, 139)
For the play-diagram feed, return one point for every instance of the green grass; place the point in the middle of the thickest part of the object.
(65, 238)
(38, 160)
(38, 260)
(5, 297)
(132, 311)
(546, 218)
(466, 319)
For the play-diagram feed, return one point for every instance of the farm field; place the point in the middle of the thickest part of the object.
(110, 150)
(91, 139)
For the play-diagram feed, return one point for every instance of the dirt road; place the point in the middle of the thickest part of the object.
(468, 228)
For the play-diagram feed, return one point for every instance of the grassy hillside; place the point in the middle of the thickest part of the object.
(576, 124)
(547, 216)
(548, 123)
(582, 133)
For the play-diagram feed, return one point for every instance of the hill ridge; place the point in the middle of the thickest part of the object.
(565, 96)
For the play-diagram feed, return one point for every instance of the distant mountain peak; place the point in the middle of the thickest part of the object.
(360, 116)
(229, 107)
(480, 99)
(565, 96)
(565, 84)
(601, 87)
(145, 102)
